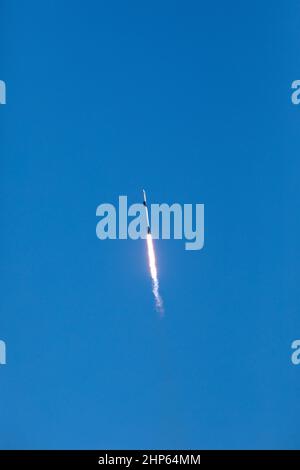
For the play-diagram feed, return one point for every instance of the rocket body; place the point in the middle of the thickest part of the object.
(146, 211)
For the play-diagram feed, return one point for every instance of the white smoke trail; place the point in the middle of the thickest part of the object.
(153, 271)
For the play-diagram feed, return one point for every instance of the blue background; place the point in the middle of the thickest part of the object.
(190, 100)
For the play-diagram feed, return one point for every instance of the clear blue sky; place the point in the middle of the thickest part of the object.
(190, 100)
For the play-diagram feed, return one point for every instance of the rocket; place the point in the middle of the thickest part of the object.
(146, 210)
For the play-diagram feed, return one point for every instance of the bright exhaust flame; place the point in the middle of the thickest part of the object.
(153, 272)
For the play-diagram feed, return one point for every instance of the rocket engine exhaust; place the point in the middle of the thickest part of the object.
(152, 262)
